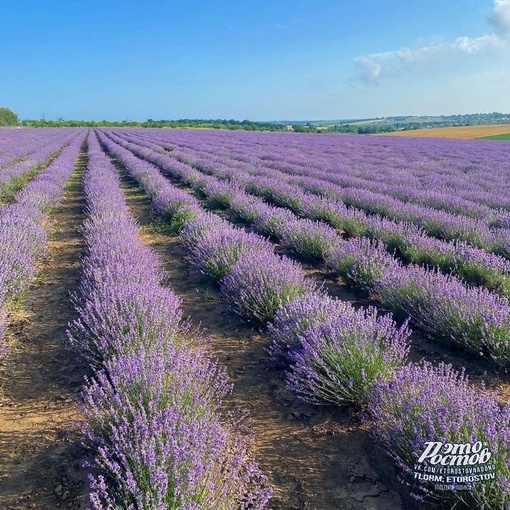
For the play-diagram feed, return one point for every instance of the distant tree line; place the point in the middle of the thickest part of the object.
(150, 123)
(246, 125)
(79, 123)
(364, 129)
(469, 119)
(366, 126)
(8, 118)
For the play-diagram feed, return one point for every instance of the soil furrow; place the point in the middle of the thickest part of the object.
(40, 465)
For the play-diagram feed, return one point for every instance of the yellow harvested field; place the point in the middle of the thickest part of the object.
(456, 131)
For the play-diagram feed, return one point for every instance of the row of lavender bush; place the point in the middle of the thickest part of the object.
(22, 236)
(410, 242)
(450, 175)
(443, 305)
(440, 171)
(370, 197)
(18, 145)
(335, 354)
(16, 175)
(473, 230)
(153, 403)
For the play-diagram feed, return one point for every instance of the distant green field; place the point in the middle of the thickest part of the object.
(497, 137)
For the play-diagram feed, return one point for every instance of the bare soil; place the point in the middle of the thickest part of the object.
(316, 457)
(41, 454)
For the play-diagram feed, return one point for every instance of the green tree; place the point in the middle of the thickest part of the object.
(8, 117)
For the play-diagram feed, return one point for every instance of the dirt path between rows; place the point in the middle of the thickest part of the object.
(40, 452)
(315, 457)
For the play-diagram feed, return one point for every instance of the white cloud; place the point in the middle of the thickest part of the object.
(500, 18)
(475, 45)
(373, 67)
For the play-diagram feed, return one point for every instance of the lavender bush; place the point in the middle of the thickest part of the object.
(248, 207)
(176, 207)
(118, 319)
(218, 194)
(219, 250)
(22, 239)
(295, 318)
(259, 284)
(195, 229)
(340, 358)
(422, 403)
(154, 417)
(311, 239)
(336, 214)
(473, 317)
(273, 221)
(482, 268)
(362, 261)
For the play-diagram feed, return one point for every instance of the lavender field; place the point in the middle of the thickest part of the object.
(258, 320)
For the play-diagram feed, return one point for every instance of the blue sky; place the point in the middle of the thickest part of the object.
(260, 60)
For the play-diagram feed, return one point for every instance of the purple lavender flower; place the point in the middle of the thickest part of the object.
(257, 285)
(295, 318)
